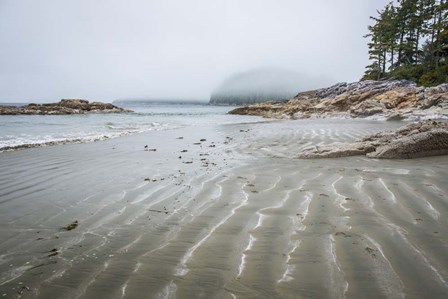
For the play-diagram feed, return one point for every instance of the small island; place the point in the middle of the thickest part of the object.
(63, 107)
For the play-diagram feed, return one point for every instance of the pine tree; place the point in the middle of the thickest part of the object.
(410, 41)
(382, 45)
(440, 28)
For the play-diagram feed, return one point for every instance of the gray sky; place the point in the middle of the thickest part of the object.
(110, 49)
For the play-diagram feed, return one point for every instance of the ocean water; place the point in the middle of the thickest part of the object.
(20, 131)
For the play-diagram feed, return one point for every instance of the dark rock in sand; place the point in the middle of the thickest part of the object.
(71, 226)
(53, 252)
(65, 106)
(420, 139)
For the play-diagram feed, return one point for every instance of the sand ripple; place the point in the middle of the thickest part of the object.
(243, 220)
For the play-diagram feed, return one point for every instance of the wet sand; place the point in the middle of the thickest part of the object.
(234, 216)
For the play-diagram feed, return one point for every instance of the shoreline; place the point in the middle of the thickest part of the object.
(79, 140)
(89, 139)
(28, 131)
(392, 100)
(307, 154)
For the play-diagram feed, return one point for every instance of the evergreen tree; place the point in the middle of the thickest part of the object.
(410, 41)
(382, 45)
(440, 28)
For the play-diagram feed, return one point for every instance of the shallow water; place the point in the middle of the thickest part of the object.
(244, 219)
(19, 131)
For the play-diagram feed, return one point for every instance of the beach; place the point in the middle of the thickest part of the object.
(223, 210)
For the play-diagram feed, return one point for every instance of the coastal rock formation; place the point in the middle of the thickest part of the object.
(392, 99)
(420, 139)
(65, 106)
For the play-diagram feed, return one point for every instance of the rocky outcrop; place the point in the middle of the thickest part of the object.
(393, 100)
(420, 139)
(65, 106)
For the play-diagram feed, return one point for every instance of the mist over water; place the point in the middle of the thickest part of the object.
(106, 50)
(262, 84)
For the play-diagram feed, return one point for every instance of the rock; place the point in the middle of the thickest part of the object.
(262, 109)
(74, 104)
(415, 140)
(53, 252)
(359, 99)
(71, 226)
(420, 139)
(65, 106)
(395, 116)
(336, 150)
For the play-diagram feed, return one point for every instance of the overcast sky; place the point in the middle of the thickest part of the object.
(112, 49)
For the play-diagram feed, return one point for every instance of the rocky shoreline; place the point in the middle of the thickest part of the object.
(64, 107)
(392, 100)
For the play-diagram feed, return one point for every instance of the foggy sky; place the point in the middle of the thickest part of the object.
(112, 49)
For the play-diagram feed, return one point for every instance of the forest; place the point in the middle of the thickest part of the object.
(409, 40)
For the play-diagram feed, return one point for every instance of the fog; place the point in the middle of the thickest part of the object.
(262, 84)
(114, 49)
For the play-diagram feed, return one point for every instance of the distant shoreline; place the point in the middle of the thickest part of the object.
(63, 107)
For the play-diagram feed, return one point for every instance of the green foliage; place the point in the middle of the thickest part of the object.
(410, 41)
(419, 73)
(435, 77)
(372, 72)
(408, 72)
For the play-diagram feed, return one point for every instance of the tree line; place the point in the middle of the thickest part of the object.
(409, 40)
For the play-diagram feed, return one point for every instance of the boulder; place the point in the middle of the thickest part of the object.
(420, 139)
(421, 144)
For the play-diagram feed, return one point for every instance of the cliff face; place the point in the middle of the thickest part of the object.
(66, 106)
(391, 99)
